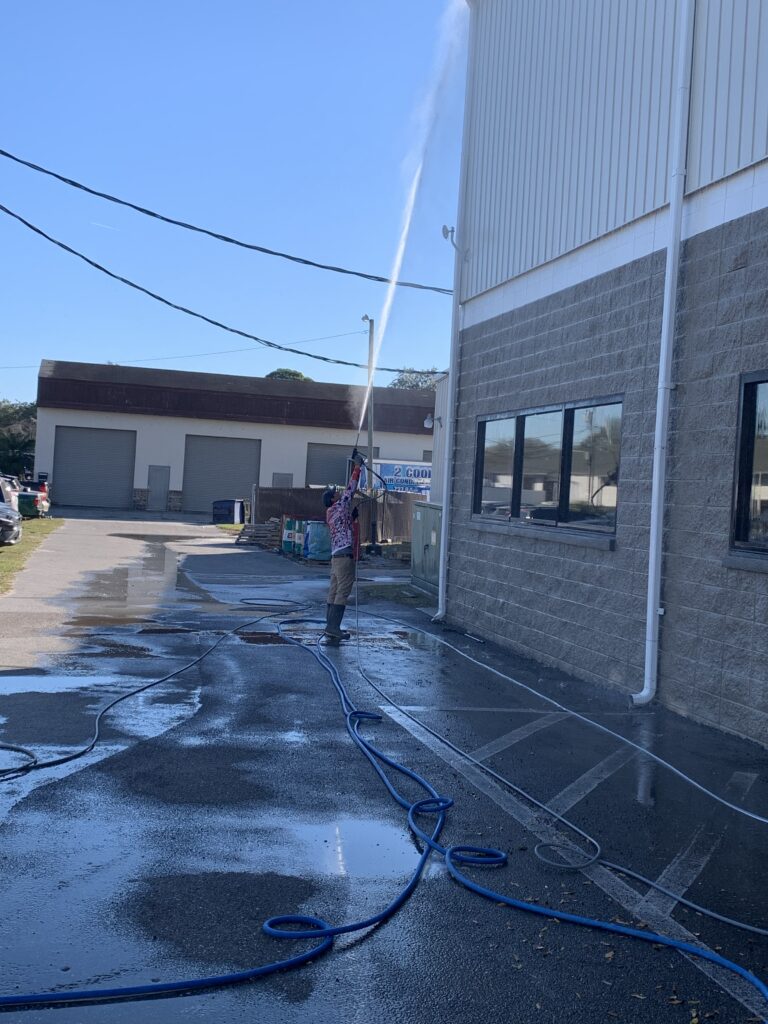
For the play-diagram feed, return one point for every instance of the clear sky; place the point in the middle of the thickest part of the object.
(287, 123)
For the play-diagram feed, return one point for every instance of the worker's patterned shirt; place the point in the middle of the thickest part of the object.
(339, 517)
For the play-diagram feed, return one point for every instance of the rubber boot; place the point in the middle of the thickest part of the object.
(329, 621)
(345, 634)
(333, 625)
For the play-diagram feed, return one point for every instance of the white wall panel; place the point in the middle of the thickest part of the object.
(568, 127)
(729, 89)
(161, 440)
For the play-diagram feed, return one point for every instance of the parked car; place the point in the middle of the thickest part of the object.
(28, 484)
(33, 504)
(10, 524)
(9, 490)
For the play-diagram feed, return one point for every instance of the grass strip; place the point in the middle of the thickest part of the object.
(13, 557)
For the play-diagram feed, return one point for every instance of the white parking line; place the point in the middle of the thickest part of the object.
(579, 788)
(683, 871)
(611, 885)
(504, 711)
(510, 738)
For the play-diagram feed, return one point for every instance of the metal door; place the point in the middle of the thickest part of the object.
(93, 467)
(158, 480)
(425, 545)
(216, 468)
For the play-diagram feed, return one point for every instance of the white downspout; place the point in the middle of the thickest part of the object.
(681, 110)
(449, 426)
(460, 257)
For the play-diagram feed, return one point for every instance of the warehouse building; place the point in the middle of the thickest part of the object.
(611, 348)
(135, 438)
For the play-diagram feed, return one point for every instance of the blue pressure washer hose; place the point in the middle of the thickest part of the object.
(295, 926)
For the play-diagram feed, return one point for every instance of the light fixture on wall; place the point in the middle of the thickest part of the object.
(430, 421)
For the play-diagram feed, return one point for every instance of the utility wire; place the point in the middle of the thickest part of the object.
(216, 234)
(191, 312)
(196, 355)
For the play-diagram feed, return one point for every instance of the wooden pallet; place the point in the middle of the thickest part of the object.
(263, 535)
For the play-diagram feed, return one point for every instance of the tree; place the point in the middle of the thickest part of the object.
(17, 436)
(415, 379)
(284, 373)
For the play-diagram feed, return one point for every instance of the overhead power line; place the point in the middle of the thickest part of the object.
(217, 235)
(195, 355)
(191, 312)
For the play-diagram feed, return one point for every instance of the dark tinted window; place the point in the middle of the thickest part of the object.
(542, 450)
(559, 467)
(752, 493)
(594, 480)
(493, 491)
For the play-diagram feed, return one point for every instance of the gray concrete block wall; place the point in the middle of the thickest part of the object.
(714, 641)
(581, 608)
(550, 597)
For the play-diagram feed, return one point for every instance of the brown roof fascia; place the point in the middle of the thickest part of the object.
(108, 388)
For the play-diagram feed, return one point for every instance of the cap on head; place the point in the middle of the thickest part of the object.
(329, 496)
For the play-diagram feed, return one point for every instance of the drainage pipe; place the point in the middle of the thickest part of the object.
(460, 258)
(681, 108)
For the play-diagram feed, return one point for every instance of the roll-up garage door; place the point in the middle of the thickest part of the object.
(217, 468)
(327, 463)
(93, 467)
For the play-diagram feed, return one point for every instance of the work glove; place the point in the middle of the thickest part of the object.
(355, 512)
(357, 458)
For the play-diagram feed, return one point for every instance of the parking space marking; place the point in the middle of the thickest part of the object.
(510, 738)
(682, 872)
(581, 787)
(504, 711)
(618, 890)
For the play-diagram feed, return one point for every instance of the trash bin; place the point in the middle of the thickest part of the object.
(317, 541)
(229, 510)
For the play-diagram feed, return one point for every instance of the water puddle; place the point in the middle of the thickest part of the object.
(43, 683)
(347, 847)
(383, 579)
(162, 630)
(115, 621)
(292, 736)
(262, 638)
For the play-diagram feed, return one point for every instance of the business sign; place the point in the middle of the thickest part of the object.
(412, 477)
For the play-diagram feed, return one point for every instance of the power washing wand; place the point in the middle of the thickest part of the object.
(373, 548)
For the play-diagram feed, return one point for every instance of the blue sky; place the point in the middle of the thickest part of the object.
(287, 123)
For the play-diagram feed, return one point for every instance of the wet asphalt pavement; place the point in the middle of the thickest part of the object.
(232, 792)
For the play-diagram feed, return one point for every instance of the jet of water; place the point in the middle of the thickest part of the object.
(449, 43)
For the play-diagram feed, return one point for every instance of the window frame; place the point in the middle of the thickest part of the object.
(568, 410)
(744, 464)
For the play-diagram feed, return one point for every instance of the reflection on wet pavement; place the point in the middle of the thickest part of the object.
(232, 792)
(30, 682)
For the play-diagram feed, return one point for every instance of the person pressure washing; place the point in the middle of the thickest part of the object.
(339, 516)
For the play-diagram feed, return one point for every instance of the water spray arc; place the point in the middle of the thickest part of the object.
(451, 35)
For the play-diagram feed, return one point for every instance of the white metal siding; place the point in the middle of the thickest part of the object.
(729, 91)
(93, 467)
(216, 468)
(569, 119)
(568, 127)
